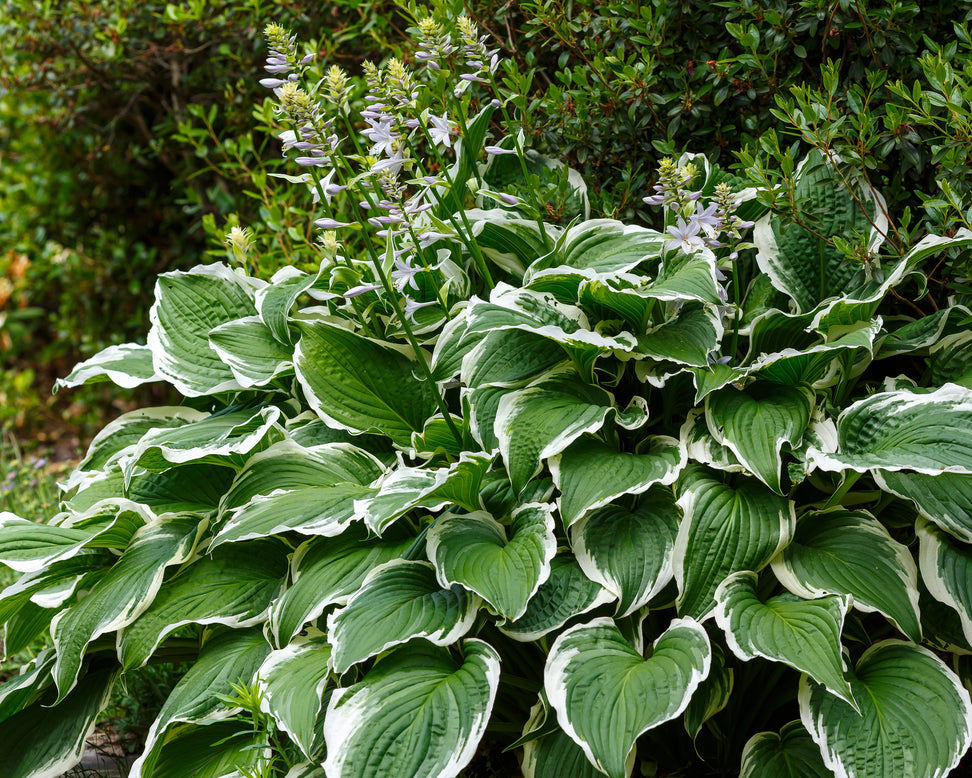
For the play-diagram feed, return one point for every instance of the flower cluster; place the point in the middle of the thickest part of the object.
(391, 158)
(696, 225)
(282, 58)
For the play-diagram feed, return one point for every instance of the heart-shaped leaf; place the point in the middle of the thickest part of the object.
(804, 634)
(629, 552)
(472, 550)
(188, 306)
(398, 601)
(724, 530)
(755, 423)
(790, 754)
(415, 713)
(915, 719)
(850, 552)
(606, 694)
(591, 474)
(361, 385)
(541, 420)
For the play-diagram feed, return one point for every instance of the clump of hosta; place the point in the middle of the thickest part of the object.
(616, 499)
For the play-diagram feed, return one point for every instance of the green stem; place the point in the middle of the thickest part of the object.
(520, 156)
(849, 480)
(477, 253)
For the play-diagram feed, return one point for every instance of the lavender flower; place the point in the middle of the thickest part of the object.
(435, 45)
(411, 306)
(407, 272)
(685, 236)
(441, 130)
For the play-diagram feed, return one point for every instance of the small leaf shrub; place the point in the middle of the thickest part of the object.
(688, 500)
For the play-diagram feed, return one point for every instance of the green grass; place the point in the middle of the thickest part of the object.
(28, 479)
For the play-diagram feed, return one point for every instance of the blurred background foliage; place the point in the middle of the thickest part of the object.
(134, 134)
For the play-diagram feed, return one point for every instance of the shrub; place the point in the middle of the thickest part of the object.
(608, 494)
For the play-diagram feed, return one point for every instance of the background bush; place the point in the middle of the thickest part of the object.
(127, 138)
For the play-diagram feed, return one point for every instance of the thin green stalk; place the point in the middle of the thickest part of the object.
(849, 480)
(520, 156)
(477, 253)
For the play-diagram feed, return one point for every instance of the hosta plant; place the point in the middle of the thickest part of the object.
(617, 499)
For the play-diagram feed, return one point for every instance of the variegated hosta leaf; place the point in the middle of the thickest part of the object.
(799, 261)
(711, 696)
(313, 510)
(591, 474)
(509, 242)
(399, 601)
(755, 423)
(473, 550)
(312, 491)
(252, 352)
(804, 634)
(230, 657)
(326, 571)
(724, 530)
(234, 586)
(276, 299)
(510, 358)
(289, 466)
(361, 385)
(415, 713)
(223, 749)
(293, 681)
(565, 594)
(541, 420)
(541, 314)
(688, 339)
(122, 594)
(555, 755)
(606, 694)
(850, 552)
(188, 306)
(223, 438)
(790, 754)
(629, 551)
(921, 431)
(119, 437)
(36, 743)
(602, 245)
(406, 488)
(915, 719)
(946, 569)
(26, 546)
(127, 365)
(946, 498)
